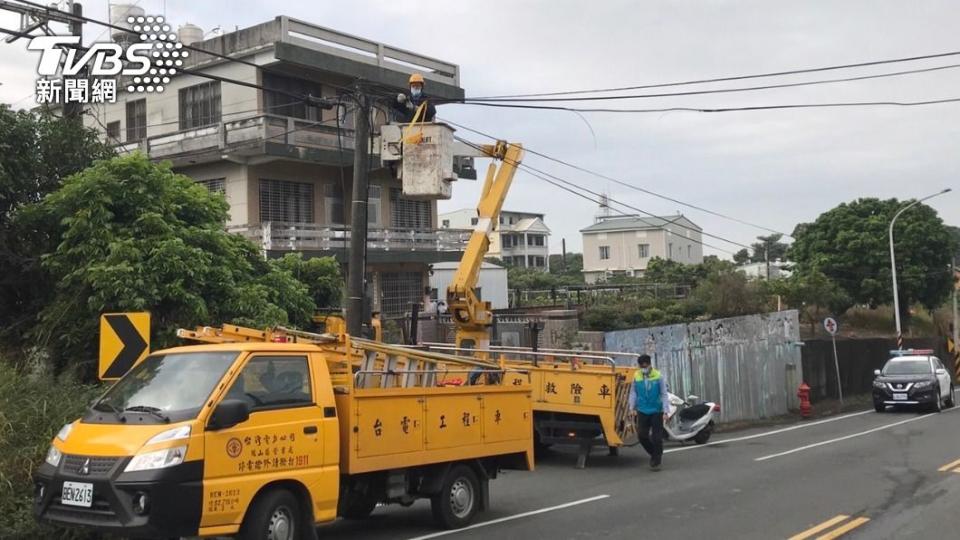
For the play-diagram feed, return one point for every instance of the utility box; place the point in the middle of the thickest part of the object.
(426, 159)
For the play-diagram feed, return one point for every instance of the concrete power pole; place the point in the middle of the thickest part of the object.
(358, 219)
(73, 110)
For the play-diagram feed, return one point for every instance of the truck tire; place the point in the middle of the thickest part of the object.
(458, 500)
(275, 515)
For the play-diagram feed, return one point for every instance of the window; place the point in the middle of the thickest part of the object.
(670, 251)
(113, 132)
(535, 240)
(214, 185)
(277, 96)
(446, 224)
(333, 203)
(136, 120)
(519, 260)
(474, 221)
(268, 382)
(535, 261)
(399, 290)
(373, 204)
(507, 240)
(281, 200)
(643, 250)
(199, 105)
(408, 213)
(689, 251)
(604, 253)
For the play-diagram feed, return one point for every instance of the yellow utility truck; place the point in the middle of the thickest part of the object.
(266, 435)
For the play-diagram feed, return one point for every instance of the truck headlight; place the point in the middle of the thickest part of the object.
(158, 459)
(879, 384)
(923, 384)
(65, 432)
(53, 456)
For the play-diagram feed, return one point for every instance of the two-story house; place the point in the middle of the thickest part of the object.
(518, 239)
(285, 165)
(623, 245)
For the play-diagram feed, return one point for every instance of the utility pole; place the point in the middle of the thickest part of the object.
(73, 110)
(563, 242)
(358, 218)
(956, 331)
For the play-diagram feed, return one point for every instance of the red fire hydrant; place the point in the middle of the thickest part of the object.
(804, 394)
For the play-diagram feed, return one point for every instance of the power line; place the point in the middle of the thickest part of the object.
(735, 77)
(722, 109)
(576, 190)
(628, 185)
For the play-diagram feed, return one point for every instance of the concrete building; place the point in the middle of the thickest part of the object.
(285, 166)
(491, 285)
(758, 270)
(624, 245)
(519, 239)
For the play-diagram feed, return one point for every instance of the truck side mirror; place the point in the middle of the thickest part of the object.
(229, 413)
(876, 373)
(941, 371)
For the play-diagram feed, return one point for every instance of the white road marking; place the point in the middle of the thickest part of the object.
(769, 433)
(513, 517)
(851, 436)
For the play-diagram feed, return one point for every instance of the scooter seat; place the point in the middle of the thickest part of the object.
(694, 412)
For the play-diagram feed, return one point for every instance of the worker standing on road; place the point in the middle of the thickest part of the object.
(406, 106)
(649, 405)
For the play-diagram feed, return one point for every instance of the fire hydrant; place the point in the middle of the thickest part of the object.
(804, 394)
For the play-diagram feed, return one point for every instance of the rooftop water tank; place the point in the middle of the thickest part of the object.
(118, 17)
(190, 34)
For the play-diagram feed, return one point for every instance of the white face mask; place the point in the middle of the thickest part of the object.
(646, 370)
(415, 91)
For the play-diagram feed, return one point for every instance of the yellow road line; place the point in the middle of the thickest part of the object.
(840, 531)
(814, 530)
(949, 466)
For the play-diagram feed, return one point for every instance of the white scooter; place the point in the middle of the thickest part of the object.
(689, 419)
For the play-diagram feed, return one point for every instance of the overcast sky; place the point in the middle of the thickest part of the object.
(774, 168)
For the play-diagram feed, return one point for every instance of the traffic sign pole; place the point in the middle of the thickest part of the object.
(830, 325)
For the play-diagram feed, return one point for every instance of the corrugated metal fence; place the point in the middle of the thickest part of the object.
(750, 364)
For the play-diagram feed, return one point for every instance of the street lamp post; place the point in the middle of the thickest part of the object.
(893, 262)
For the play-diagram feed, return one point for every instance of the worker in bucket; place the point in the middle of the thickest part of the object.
(648, 407)
(405, 106)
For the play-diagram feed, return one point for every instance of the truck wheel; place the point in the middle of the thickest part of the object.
(360, 508)
(274, 516)
(459, 499)
(950, 398)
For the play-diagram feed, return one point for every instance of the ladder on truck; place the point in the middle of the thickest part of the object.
(370, 364)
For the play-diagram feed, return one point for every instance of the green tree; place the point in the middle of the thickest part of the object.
(570, 270)
(37, 151)
(849, 245)
(769, 245)
(742, 257)
(135, 236)
(814, 295)
(321, 275)
(728, 294)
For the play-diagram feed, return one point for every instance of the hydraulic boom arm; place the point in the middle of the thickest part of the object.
(471, 315)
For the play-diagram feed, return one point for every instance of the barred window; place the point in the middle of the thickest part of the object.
(214, 185)
(278, 90)
(136, 120)
(373, 205)
(399, 290)
(199, 105)
(408, 213)
(281, 200)
(113, 132)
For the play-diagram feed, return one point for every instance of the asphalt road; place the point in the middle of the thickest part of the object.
(861, 475)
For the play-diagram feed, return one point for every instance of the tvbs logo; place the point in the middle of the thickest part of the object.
(143, 67)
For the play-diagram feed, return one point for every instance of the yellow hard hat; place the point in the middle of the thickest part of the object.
(415, 78)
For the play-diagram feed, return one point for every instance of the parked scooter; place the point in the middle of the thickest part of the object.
(690, 419)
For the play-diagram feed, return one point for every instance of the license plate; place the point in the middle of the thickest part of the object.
(899, 397)
(77, 494)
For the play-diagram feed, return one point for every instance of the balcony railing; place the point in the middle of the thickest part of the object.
(287, 236)
(246, 136)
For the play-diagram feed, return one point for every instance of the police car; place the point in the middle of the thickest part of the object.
(912, 377)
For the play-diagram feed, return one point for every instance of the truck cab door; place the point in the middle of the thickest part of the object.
(280, 440)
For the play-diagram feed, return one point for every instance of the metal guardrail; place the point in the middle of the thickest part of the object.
(281, 235)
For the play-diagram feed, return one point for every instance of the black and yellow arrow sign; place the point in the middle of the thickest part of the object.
(124, 342)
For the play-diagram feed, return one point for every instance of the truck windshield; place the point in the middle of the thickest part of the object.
(907, 367)
(166, 387)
